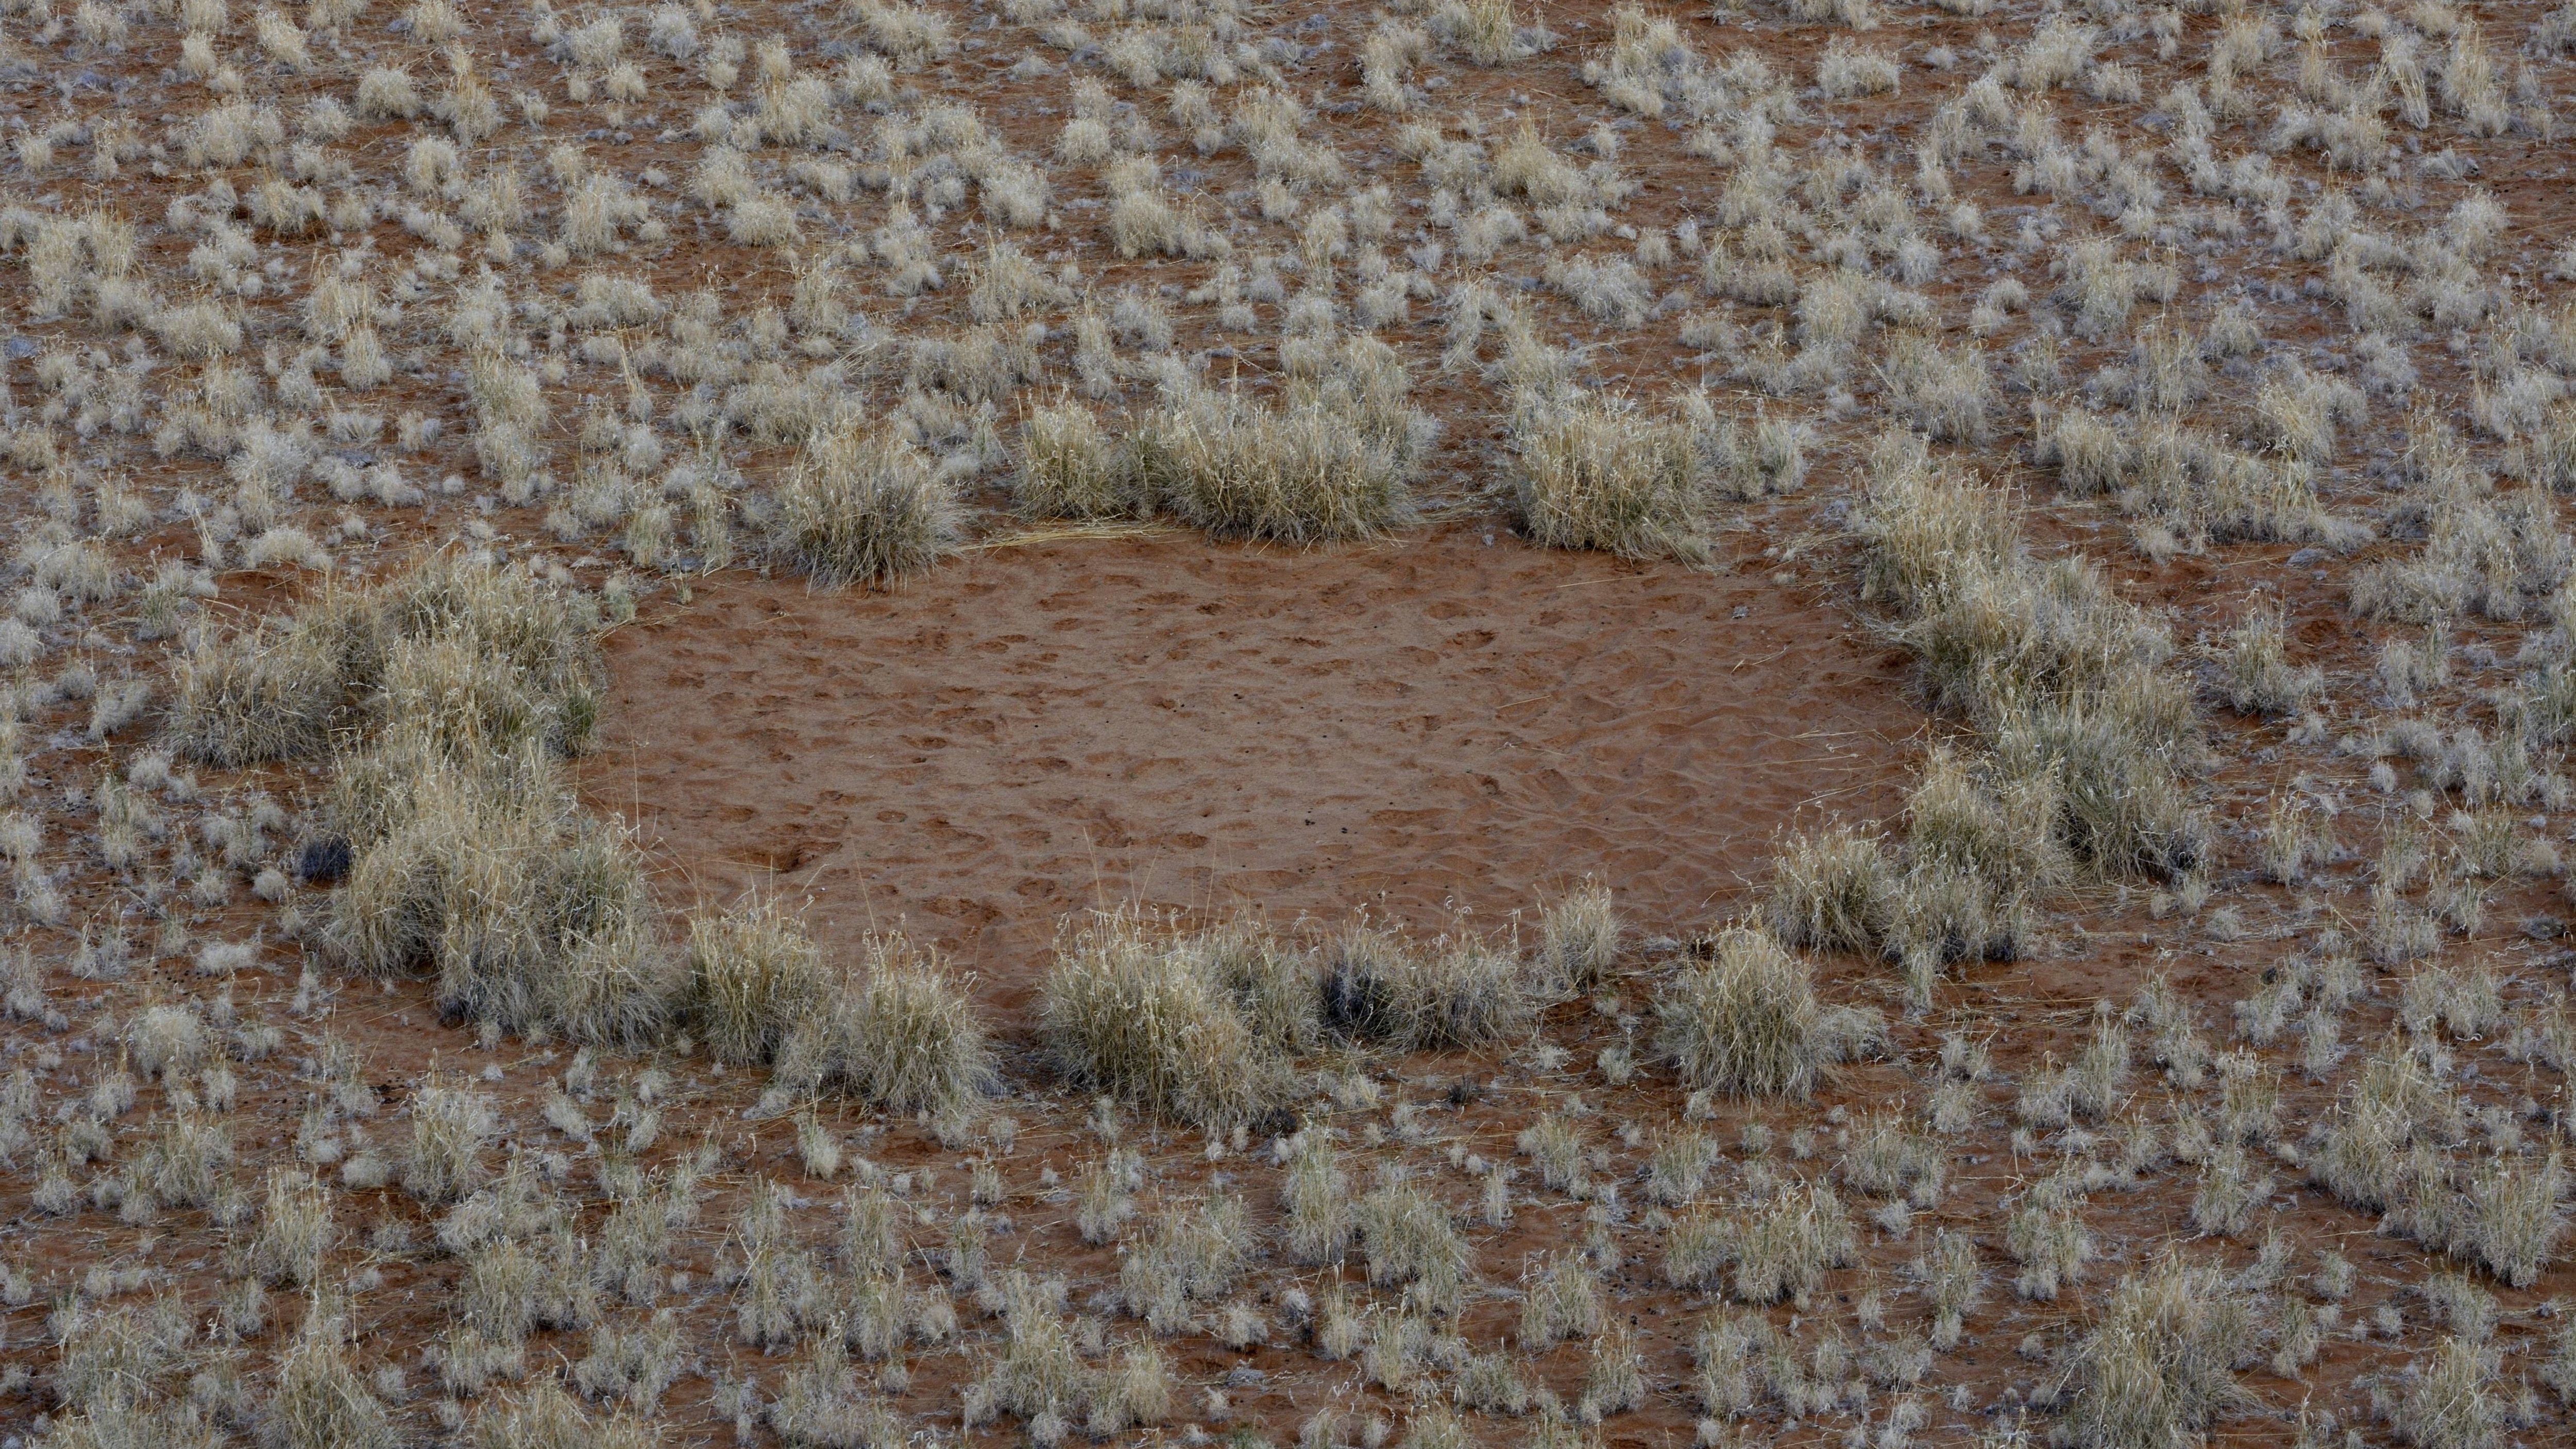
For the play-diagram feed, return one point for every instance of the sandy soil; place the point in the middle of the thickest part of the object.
(1457, 723)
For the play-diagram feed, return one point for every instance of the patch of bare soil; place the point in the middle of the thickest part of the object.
(1456, 723)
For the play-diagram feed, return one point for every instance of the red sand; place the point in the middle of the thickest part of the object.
(1429, 724)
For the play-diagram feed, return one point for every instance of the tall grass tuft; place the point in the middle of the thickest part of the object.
(862, 506)
(1746, 1020)
(1135, 1011)
(1239, 468)
(1455, 991)
(483, 655)
(1579, 937)
(320, 1401)
(754, 976)
(2160, 1362)
(2066, 680)
(1597, 471)
(528, 910)
(904, 1036)
(1069, 467)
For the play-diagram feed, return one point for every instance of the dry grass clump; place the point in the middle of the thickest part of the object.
(905, 1037)
(449, 1125)
(295, 1229)
(527, 908)
(545, 1416)
(1314, 1194)
(1069, 468)
(468, 856)
(2505, 1212)
(1746, 1020)
(1579, 934)
(2449, 1399)
(1410, 1239)
(1193, 1255)
(1454, 991)
(1333, 460)
(2157, 467)
(1783, 1248)
(2159, 1364)
(1599, 472)
(483, 655)
(321, 1402)
(2063, 677)
(1979, 841)
(1242, 470)
(862, 506)
(2494, 553)
(755, 979)
(1273, 980)
(2260, 677)
(1142, 1013)
(1828, 888)
(1780, 1246)
(1040, 1375)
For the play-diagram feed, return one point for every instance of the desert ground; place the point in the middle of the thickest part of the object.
(1167, 721)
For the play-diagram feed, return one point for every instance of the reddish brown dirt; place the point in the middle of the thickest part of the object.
(1445, 724)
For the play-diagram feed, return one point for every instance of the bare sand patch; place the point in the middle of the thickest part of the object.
(1432, 724)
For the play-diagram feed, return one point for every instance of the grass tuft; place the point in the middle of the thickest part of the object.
(754, 976)
(1304, 473)
(1746, 1020)
(1135, 1011)
(1069, 468)
(905, 1037)
(1596, 471)
(1452, 992)
(862, 506)
(1579, 936)
(2160, 1361)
